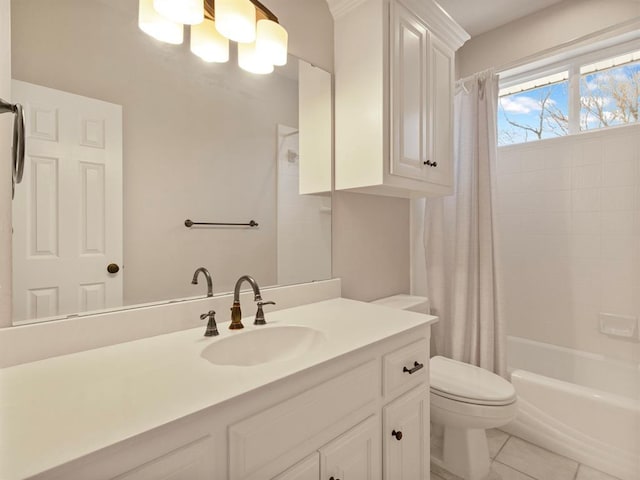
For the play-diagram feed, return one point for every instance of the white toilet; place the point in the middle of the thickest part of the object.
(465, 400)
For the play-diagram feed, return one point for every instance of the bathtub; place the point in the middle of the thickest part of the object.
(578, 404)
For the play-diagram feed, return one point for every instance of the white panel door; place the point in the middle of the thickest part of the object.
(409, 93)
(67, 219)
(354, 455)
(406, 436)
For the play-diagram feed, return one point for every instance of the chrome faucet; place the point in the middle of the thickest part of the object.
(236, 313)
(207, 276)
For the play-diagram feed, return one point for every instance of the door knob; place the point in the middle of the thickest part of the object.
(113, 268)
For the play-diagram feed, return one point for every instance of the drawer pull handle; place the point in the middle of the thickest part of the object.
(397, 434)
(416, 366)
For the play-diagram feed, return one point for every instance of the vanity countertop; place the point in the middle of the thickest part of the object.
(56, 410)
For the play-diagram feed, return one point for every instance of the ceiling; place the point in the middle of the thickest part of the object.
(479, 16)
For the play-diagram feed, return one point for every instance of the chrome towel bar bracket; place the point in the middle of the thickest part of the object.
(17, 149)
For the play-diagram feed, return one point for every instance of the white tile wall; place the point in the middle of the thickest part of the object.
(569, 223)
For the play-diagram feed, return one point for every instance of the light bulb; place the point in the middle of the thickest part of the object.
(236, 20)
(208, 44)
(271, 42)
(189, 12)
(249, 61)
(157, 26)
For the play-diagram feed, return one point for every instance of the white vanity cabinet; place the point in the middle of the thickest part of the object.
(406, 436)
(307, 469)
(355, 455)
(190, 462)
(405, 429)
(394, 74)
(337, 418)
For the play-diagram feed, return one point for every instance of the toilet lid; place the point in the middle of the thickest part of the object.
(468, 383)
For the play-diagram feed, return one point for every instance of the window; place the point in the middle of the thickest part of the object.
(609, 92)
(534, 110)
(577, 96)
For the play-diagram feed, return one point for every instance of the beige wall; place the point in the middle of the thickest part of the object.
(370, 245)
(553, 26)
(5, 165)
(310, 28)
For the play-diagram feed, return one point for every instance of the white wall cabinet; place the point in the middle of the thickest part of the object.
(394, 73)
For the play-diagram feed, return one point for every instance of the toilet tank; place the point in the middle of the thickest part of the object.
(412, 303)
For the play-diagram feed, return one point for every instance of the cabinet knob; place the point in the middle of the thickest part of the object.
(397, 434)
(428, 163)
(434, 164)
(333, 478)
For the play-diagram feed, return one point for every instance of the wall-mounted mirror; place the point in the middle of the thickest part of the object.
(128, 137)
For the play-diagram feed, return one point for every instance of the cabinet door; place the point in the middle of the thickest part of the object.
(354, 455)
(442, 74)
(406, 436)
(409, 93)
(307, 469)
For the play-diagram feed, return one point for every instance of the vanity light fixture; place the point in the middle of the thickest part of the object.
(249, 60)
(189, 12)
(208, 44)
(236, 20)
(262, 41)
(157, 26)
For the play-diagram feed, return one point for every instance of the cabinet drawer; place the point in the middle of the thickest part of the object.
(405, 368)
(266, 443)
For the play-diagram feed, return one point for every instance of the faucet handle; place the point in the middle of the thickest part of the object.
(260, 313)
(212, 328)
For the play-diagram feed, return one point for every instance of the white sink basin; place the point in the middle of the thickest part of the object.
(263, 345)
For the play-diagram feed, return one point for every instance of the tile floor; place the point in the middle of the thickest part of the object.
(516, 459)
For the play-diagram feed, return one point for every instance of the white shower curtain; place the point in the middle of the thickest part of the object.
(460, 235)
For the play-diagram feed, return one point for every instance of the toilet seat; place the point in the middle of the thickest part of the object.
(462, 382)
